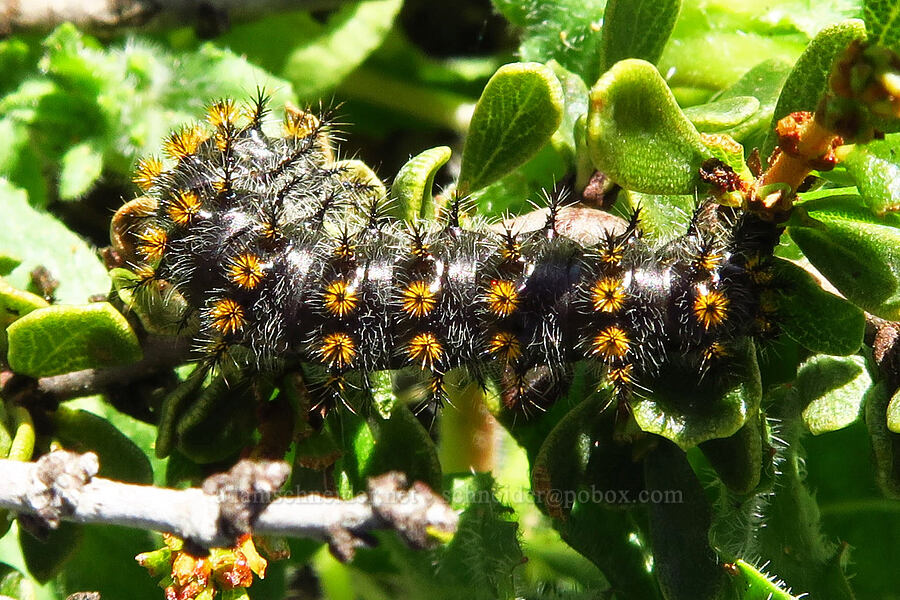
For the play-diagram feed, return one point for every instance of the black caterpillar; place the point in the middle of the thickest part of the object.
(286, 258)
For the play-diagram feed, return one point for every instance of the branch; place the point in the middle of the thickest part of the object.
(62, 486)
(210, 16)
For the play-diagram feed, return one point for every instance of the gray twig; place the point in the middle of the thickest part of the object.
(208, 517)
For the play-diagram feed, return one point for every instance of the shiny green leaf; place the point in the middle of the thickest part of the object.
(832, 390)
(637, 134)
(61, 339)
(816, 319)
(412, 187)
(520, 108)
(875, 168)
(861, 259)
(623, 18)
(16, 303)
(893, 413)
(753, 583)
(722, 114)
(37, 238)
(882, 19)
(688, 413)
(763, 82)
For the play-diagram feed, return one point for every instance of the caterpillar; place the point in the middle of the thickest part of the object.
(285, 257)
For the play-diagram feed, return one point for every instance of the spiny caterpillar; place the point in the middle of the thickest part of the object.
(285, 258)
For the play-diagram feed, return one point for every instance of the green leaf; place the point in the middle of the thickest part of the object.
(832, 390)
(173, 407)
(654, 19)
(38, 239)
(412, 187)
(817, 320)
(45, 559)
(62, 339)
(808, 80)
(403, 444)
(882, 19)
(763, 82)
(737, 459)
(683, 562)
(722, 114)
(663, 218)
(7, 264)
(559, 469)
(315, 57)
(485, 550)
(520, 108)
(16, 303)
(688, 413)
(885, 441)
(120, 459)
(861, 259)
(792, 516)
(80, 168)
(875, 169)
(637, 134)
(893, 413)
(219, 422)
(568, 31)
(138, 433)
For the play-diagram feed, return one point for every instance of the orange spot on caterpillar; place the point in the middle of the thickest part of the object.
(184, 207)
(147, 172)
(299, 124)
(608, 295)
(184, 142)
(340, 298)
(424, 347)
(502, 297)
(418, 299)
(246, 270)
(612, 342)
(505, 345)
(710, 306)
(227, 316)
(338, 350)
(152, 243)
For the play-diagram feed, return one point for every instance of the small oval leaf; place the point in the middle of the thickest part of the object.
(637, 134)
(861, 259)
(893, 413)
(875, 168)
(737, 459)
(15, 303)
(412, 188)
(689, 413)
(61, 339)
(832, 390)
(519, 110)
(817, 320)
(714, 117)
(622, 18)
